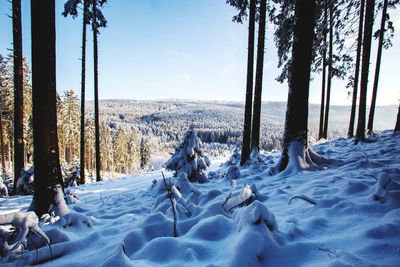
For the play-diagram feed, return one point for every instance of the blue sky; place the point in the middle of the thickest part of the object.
(176, 49)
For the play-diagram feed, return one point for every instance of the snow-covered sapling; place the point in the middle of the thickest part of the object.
(173, 203)
(3, 189)
(189, 158)
(183, 185)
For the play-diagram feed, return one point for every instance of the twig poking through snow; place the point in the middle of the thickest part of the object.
(305, 198)
(173, 203)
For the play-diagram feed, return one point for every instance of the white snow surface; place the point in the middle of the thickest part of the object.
(355, 222)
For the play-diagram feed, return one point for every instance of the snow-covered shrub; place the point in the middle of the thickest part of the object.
(239, 198)
(189, 158)
(3, 188)
(25, 182)
(183, 185)
(13, 238)
(232, 173)
(234, 158)
(256, 213)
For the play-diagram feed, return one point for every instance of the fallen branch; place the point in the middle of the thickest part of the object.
(305, 198)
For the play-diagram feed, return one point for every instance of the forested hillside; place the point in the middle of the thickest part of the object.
(218, 121)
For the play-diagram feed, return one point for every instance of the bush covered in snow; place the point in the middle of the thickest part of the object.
(189, 158)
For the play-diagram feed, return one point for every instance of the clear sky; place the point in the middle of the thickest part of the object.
(176, 49)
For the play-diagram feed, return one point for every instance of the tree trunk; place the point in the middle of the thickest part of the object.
(46, 153)
(18, 92)
(357, 70)
(299, 80)
(249, 86)
(96, 93)
(322, 107)
(397, 127)
(255, 129)
(3, 159)
(83, 83)
(329, 83)
(377, 68)
(369, 22)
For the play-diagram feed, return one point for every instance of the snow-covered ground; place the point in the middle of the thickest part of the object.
(347, 226)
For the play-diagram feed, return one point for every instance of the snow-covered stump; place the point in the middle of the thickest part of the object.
(257, 237)
(298, 158)
(384, 188)
(21, 223)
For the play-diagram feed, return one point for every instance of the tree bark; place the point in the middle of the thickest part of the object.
(83, 84)
(322, 107)
(249, 86)
(46, 153)
(397, 127)
(377, 68)
(3, 159)
(255, 129)
(18, 92)
(366, 53)
(357, 70)
(296, 126)
(96, 93)
(329, 83)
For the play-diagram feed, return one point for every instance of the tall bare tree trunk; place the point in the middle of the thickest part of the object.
(296, 126)
(256, 125)
(397, 127)
(330, 74)
(96, 93)
(366, 53)
(46, 153)
(18, 92)
(377, 68)
(322, 107)
(357, 69)
(83, 83)
(249, 86)
(3, 159)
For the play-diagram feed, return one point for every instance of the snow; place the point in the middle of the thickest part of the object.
(354, 221)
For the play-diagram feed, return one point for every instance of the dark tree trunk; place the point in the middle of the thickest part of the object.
(397, 127)
(249, 86)
(329, 83)
(369, 22)
(377, 68)
(322, 107)
(357, 70)
(18, 93)
(46, 154)
(96, 93)
(83, 79)
(299, 80)
(3, 159)
(255, 129)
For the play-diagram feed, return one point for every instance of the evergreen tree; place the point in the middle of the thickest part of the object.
(145, 152)
(377, 67)
(295, 133)
(121, 151)
(188, 158)
(357, 68)
(46, 154)
(324, 45)
(242, 6)
(68, 119)
(366, 52)
(3, 160)
(255, 127)
(18, 92)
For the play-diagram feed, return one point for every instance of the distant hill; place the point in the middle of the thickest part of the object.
(220, 121)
